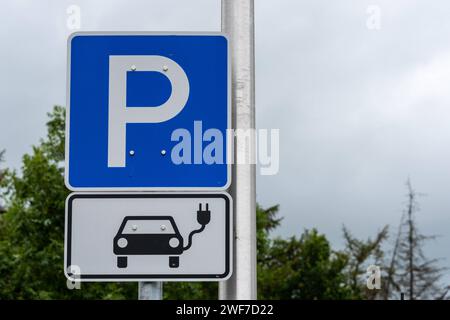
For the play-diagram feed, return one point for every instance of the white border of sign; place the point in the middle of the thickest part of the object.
(230, 140)
(139, 278)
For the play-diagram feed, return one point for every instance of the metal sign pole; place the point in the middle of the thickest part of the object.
(238, 24)
(150, 290)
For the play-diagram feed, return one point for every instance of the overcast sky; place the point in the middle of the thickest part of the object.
(359, 110)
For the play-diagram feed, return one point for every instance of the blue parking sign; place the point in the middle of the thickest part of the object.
(148, 111)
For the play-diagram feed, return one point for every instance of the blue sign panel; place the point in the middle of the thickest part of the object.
(148, 112)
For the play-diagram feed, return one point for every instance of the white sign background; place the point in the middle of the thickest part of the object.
(93, 220)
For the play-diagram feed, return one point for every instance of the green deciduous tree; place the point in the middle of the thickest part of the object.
(2, 153)
(303, 268)
(32, 244)
(32, 229)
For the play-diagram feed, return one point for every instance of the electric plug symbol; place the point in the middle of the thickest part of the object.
(203, 216)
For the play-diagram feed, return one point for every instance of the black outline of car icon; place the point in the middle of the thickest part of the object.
(126, 244)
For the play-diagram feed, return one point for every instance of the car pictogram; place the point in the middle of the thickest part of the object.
(154, 235)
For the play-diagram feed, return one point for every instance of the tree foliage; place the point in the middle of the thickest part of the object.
(32, 229)
(361, 255)
(303, 267)
(2, 154)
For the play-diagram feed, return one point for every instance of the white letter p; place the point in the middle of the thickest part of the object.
(120, 114)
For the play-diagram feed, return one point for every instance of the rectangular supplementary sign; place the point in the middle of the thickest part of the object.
(148, 236)
(148, 112)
